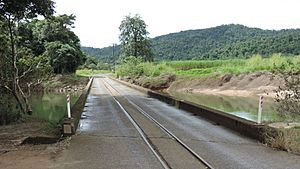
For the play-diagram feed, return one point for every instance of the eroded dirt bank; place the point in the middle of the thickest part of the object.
(16, 153)
(258, 83)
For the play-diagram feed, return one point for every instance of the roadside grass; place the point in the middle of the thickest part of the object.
(233, 66)
(90, 72)
(156, 69)
(193, 68)
(136, 68)
(287, 139)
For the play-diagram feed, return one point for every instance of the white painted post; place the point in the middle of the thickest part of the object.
(260, 103)
(69, 105)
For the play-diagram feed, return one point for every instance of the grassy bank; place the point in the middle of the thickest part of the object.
(250, 75)
(210, 67)
(234, 66)
(90, 72)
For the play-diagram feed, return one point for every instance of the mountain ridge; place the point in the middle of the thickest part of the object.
(220, 42)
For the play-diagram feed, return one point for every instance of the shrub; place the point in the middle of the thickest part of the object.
(130, 66)
(9, 111)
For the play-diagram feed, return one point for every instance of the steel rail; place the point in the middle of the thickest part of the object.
(178, 140)
(139, 129)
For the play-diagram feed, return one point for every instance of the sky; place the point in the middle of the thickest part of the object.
(97, 21)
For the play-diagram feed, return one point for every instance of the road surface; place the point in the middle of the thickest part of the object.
(107, 139)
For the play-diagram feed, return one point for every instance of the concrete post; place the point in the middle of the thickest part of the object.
(68, 125)
(260, 103)
(69, 105)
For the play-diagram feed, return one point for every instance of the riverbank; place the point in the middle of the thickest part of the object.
(18, 148)
(32, 141)
(244, 85)
(65, 83)
(237, 85)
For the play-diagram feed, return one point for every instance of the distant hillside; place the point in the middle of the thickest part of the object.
(221, 42)
(105, 54)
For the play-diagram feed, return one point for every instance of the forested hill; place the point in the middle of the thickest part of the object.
(221, 42)
(108, 54)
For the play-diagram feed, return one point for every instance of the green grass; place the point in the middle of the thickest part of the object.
(194, 68)
(234, 66)
(90, 72)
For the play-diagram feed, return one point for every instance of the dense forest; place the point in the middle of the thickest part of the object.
(221, 42)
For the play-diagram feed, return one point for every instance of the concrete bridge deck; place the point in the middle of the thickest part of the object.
(107, 139)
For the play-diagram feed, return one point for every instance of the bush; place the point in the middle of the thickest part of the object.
(288, 94)
(9, 111)
(154, 70)
(287, 139)
(277, 61)
(134, 67)
(130, 66)
(255, 63)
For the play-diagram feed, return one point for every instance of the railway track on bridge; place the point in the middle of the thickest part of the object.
(173, 152)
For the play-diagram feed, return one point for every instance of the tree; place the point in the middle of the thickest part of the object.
(53, 38)
(13, 12)
(64, 58)
(133, 37)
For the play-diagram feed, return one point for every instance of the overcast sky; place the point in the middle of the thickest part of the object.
(98, 21)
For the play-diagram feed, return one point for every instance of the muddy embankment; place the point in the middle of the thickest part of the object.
(258, 83)
(247, 84)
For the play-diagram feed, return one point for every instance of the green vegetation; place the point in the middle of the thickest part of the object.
(96, 64)
(133, 38)
(226, 42)
(16, 57)
(53, 39)
(221, 42)
(107, 55)
(32, 49)
(90, 72)
(135, 67)
(8, 111)
(233, 66)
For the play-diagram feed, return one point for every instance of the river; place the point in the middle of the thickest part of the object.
(244, 107)
(51, 106)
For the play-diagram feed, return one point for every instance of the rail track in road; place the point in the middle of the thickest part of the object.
(153, 133)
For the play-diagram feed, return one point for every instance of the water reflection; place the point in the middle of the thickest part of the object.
(245, 107)
(51, 106)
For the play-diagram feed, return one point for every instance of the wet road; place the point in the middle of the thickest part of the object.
(107, 139)
(221, 147)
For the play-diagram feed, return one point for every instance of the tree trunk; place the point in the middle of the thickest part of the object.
(28, 109)
(16, 89)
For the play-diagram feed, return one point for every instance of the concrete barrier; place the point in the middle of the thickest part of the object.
(243, 126)
(70, 125)
(250, 129)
